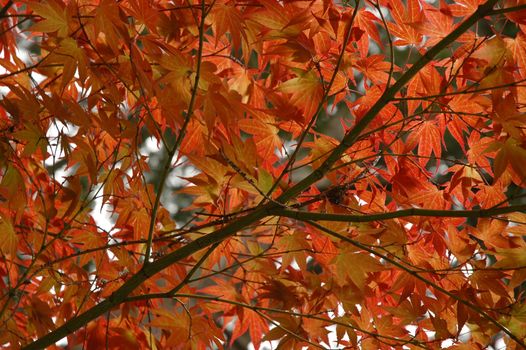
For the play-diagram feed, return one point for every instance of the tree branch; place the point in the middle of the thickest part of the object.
(149, 270)
(474, 213)
(6, 7)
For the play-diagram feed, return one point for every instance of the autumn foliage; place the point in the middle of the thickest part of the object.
(306, 174)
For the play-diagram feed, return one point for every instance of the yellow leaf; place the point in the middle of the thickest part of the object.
(9, 240)
(510, 153)
(510, 258)
(357, 266)
(55, 18)
(494, 51)
(306, 91)
(228, 19)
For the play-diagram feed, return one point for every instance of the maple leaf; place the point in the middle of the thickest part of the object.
(374, 68)
(55, 17)
(510, 257)
(516, 16)
(108, 23)
(255, 324)
(463, 8)
(295, 246)
(143, 11)
(365, 20)
(517, 320)
(41, 315)
(265, 136)
(72, 57)
(507, 118)
(510, 153)
(429, 140)
(406, 18)
(306, 92)
(357, 267)
(13, 188)
(436, 25)
(228, 18)
(9, 242)
(517, 48)
(275, 17)
(493, 63)
(427, 82)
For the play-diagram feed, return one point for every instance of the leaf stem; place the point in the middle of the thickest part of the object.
(182, 132)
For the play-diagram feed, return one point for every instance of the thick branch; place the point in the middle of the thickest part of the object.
(475, 213)
(6, 7)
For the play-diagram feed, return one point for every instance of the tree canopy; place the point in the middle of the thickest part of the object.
(200, 174)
